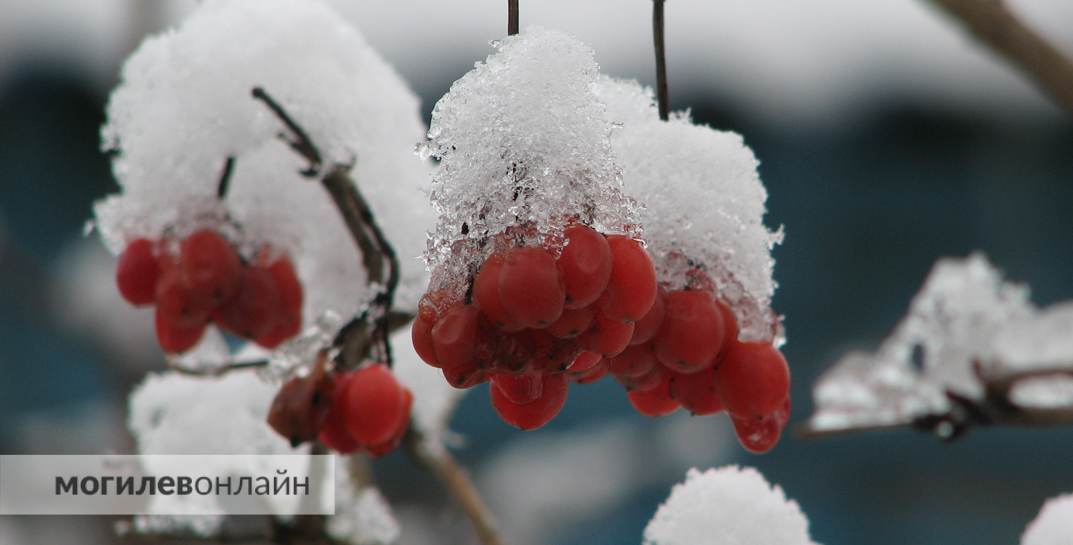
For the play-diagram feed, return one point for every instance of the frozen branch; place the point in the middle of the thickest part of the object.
(662, 93)
(992, 23)
(512, 17)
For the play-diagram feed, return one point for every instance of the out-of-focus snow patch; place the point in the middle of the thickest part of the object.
(184, 106)
(703, 204)
(727, 506)
(1053, 525)
(524, 148)
(434, 399)
(362, 515)
(966, 322)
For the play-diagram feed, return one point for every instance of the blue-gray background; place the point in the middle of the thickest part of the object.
(869, 202)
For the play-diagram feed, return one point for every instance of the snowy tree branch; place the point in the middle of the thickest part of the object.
(225, 177)
(996, 408)
(662, 92)
(512, 17)
(456, 479)
(991, 22)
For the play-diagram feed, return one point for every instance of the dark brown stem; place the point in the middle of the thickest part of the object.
(662, 93)
(225, 178)
(217, 371)
(455, 478)
(993, 24)
(512, 17)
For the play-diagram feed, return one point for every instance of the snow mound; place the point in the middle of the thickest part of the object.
(1053, 525)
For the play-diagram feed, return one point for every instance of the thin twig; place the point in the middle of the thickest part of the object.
(216, 371)
(662, 93)
(512, 17)
(224, 184)
(298, 140)
(456, 479)
(992, 23)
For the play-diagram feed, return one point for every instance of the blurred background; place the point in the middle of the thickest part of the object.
(887, 137)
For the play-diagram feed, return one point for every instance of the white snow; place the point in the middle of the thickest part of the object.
(1053, 525)
(521, 138)
(727, 506)
(362, 515)
(434, 399)
(184, 106)
(703, 203)
(966, 323)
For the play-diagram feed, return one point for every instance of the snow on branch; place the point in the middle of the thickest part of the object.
(972, 351)
(727, 506)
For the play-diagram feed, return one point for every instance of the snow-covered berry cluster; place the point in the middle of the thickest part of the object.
(207, 281)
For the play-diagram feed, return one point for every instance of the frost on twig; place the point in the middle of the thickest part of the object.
(972, 350)
(1053, 525)
(727, 506)
(183, 108)
(703, 203)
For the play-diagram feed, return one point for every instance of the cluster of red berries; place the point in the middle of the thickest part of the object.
(208, 281)
(369, 410)
(534, 323)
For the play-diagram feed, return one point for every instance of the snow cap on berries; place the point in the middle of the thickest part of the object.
(727, 506)
(523, 140)
(703, 203)
(184, 106)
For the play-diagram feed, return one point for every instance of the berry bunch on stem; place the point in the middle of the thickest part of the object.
(208, 281)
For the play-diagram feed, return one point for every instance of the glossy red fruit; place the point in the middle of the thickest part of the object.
(642, 383)
(464, 376)
(730, 328)
(631, 289)
(301, 405)
(176, 337)
(584, 362)
(607, 336)
(692, 332)
(697, 392)
(633, 362)
(753, 379)
(333, 432)
(137, 273)
(656, 401)
(210, 266)
(433, 304)
(554, 355)
(421, 336)
(597, 372)
(519, 388)
(645, 329)
(373, 404)
(585, 264)
(532, 415)
(381, 449)
(530, 288)
(454, 336)
(486, 293)
(572, 323)
(757, 434)
(175, 303)
(251, 313)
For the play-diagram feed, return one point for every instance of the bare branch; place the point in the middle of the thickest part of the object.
(512, 17)
(662, 92)
(992, 23)
(216, 371)
(224, 184)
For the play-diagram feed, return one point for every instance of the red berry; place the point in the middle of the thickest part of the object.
(757, 434)
(645, 329)
(251, 313)
(572, 323)
(532, 415)
(515, 351)
(137, 273)
(692, 332)
(697, 392)
(175, 303)
(521, 388)
(644, 382)
(211, 267)
(455, 335)
(585, 264)
(584, 362)
(381, 449)
(288, 322)
(464, 376)
(633, 362)
(632, 287)
(753, 379)
(607, 336)
(334, 433)
(421, 335)
(374, 405)
(530, 288)
(433, 304)
(730, 329)
(176, 337)
(656, 401)
(597, 372)
(554, 355)
(486, 293)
